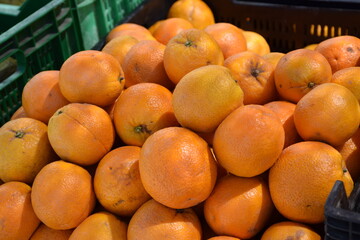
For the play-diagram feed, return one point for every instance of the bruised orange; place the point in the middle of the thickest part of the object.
(341, 51)
(290, 230)
(254, 75)
(117, 182)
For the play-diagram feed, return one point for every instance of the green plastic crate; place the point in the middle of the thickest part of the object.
(95, 18)
(42, 41)
(48, 36)
(13, 11)
(131, 5)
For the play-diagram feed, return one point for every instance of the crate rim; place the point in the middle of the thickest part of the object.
(334, 211)
(327, 4)
(29, 20)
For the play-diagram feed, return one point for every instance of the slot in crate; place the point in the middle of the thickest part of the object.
(40, 42)
(289, 25)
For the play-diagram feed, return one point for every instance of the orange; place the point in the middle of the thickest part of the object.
(273, 57)
(249, 197)
(299, 71)
(329, 113)
(119, 46)
(190, 49)
(144, 62)
(195, 11)
(229, 37)
(100, 226)
(205, 96)
(130, 29)
(169, 28)
(43, 232)
(249, 140)
(127, 26)
(256, 43)
(341, 52)
(81, 133)
(302, 178)
(254, 75)
(155, 25)
(177, 167)
(350, 151)
(19, 113)
(25, 149)
(290, 230)
(285, 111)
(141, 110)
(311, 46)
(91, 77)
(156, 221)
(62, 195)
(41, 96)
(349, 78)
(17, 218)
(110, 109)
(223, 238)
(117, 182)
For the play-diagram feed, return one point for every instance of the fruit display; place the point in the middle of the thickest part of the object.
(187, 129)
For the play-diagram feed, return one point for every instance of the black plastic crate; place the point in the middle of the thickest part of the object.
(146, 14)
(289, 25)
(342, 216)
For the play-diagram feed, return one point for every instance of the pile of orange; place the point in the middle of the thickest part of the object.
(188, 129)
